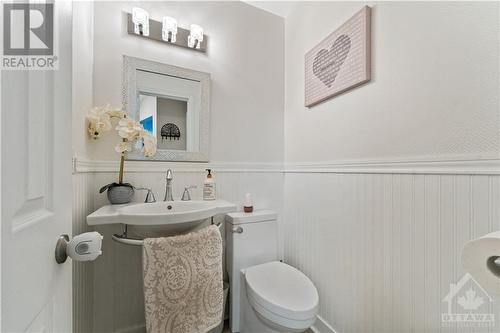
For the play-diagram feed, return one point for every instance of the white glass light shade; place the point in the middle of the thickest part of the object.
(195, 36)
(169, 26)
(140, 18)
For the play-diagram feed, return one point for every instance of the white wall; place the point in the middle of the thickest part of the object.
(382, 241)
(434, 89)
(245, 61)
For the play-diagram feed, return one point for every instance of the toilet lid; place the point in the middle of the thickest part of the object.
(282, 290)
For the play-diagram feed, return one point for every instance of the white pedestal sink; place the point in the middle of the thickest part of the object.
(160, 218)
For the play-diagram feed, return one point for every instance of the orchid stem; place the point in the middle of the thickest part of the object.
(122, 162)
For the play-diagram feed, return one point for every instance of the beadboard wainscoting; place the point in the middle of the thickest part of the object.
(83, 273)
(382, 249)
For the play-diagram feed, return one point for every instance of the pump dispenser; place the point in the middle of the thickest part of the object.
(209, 187)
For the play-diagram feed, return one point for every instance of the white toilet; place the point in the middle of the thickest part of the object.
(266, 295)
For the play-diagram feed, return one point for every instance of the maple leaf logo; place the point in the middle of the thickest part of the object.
(470, 301)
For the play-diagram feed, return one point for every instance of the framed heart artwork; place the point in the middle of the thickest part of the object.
(341, 61)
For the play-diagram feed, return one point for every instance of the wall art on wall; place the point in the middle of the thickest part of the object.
(341, 61)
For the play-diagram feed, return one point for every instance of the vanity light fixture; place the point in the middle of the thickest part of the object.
(195, 36)
(140, 18)
(169, 29)
(166, 31)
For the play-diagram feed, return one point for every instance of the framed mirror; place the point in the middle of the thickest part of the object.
(173, 104)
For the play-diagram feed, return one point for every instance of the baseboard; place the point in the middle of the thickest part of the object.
(321, 326)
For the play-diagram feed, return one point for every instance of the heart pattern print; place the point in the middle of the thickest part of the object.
(328, 63)
(341, 61)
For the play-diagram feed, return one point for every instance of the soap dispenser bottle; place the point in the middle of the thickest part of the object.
(209, 187)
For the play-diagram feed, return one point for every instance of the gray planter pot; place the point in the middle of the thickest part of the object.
(119, 193)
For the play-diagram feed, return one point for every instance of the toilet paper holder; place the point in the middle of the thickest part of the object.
(83, 247)
(493, 264)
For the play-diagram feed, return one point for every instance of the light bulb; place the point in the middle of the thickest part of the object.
(195, 36)
(140, 18)
(169, 27)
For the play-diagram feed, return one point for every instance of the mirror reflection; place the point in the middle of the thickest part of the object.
(165, 118)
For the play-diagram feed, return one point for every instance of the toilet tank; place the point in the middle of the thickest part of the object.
(251, 239)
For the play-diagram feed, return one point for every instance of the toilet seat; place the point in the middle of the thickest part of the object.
(282, 294)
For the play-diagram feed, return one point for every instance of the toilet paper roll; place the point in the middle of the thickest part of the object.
(481, 259)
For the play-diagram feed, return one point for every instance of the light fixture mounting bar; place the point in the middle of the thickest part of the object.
(155, 33)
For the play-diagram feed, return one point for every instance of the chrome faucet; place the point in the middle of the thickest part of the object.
(168, 187)
(186, 196)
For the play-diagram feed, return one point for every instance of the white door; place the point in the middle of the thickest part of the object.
(36, 191)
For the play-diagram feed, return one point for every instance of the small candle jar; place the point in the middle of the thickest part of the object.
(248, 204)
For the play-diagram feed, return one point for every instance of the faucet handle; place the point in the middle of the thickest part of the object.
(169, 175)
(150, 196)
(186, 196)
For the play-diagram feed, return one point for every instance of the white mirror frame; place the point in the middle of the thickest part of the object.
(131, 103)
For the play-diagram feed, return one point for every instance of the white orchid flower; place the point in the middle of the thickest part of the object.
(123, 147)
(99, 119)
(117, 114)
(98, 124)
(149, 145)
(93, 129)
(129, 129)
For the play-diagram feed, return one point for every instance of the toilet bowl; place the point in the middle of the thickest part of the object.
(282, 296)
(266, 295)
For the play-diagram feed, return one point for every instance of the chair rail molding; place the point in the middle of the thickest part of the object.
(454, 167)
(84, 165)
(490, 166)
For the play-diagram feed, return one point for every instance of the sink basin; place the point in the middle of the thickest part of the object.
(173, 212)
(159, 213)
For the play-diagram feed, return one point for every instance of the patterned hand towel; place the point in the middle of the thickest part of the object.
(183, 282)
